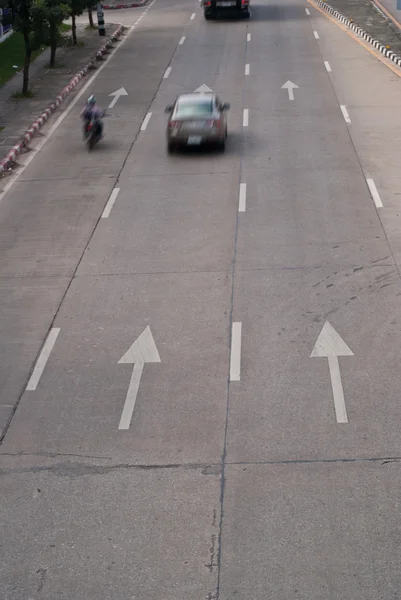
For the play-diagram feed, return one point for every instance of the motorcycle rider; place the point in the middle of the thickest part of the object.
(91, 111)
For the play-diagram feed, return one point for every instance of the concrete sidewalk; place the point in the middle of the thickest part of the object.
(17, 114)
(389, 8)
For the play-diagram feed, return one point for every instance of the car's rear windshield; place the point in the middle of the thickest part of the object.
(201, 108)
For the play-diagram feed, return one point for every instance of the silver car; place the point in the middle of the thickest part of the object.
(196, 119)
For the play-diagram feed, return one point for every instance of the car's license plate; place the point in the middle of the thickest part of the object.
(194, 140)
(226, 3)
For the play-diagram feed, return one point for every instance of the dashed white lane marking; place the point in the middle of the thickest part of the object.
(242, 197)
(146, 121)
(315, 33)
(345, 113)
(167, 73)
(110, 203)
(327, 65)
(182, 40)
(43, 358)
(245, 118)
(247, 69)
(307, 11)
(235, 357)
(193, 16)
(375, 193)
(248, 37)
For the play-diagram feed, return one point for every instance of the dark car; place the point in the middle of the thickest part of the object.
(197, 119)
(211, 8)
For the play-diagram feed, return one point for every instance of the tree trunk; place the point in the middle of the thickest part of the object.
(74, 29)
(90, 17)
(27, 62)
(53, 45)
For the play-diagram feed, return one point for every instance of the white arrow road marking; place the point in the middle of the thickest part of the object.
(43, 358)
(290, 87)
(330, 345)
(242, 197)
(117, 94)
(203, 89)
(375, 193)
(146, 121)
(143, 350)
(110, 203)
(235, 357)
(345, 113)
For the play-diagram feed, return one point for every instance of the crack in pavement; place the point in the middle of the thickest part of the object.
(75, 469)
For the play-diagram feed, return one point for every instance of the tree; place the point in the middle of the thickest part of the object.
(23, 21)
(77, 7)
(89, 6)
(48, 16)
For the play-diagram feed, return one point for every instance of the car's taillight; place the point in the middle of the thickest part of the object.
(244, 2)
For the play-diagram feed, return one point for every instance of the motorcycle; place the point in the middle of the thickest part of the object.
(92, 133)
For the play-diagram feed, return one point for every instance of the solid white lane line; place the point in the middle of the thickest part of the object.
(43, 358)
(235, 357)
(327, 65)
(146, 121)
(245, 118)
(242, 197)
(307, 11)
(193, 16)
(43, 140)
(248, 37)
(182, 40)
(345, 113)
(167, 73)
(110, 203)
(375, 193)
(246, 69)
(315, 33)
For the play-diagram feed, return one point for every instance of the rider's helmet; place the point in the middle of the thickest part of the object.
(91, 100)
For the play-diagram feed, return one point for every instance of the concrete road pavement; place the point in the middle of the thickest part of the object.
(189, 293)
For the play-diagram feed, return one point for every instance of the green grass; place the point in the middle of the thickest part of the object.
(21, 95)
(12, 52)
(64, 27)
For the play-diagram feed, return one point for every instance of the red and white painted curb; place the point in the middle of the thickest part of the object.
(11, 156)
(130, 5)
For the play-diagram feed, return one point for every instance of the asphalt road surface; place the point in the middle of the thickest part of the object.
(199, 359)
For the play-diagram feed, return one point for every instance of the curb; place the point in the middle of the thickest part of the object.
(131, 5)
(7, 162)
(378, 45)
